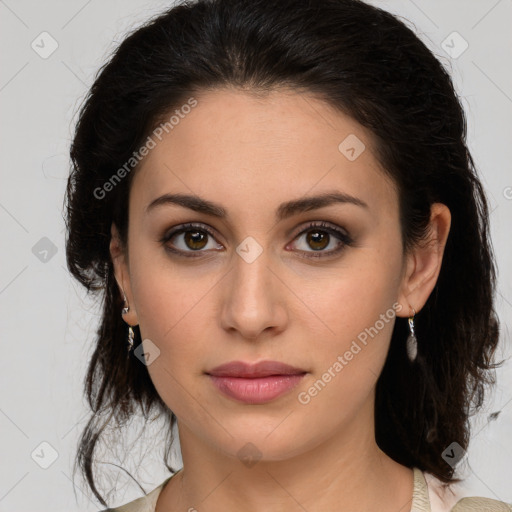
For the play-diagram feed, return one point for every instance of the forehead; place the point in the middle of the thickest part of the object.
(259, 150)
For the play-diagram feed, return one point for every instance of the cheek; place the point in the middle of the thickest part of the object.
(355, 310)
(174, 312)
(171, 314)
(167, 296)
(349, 360)
(355, 299)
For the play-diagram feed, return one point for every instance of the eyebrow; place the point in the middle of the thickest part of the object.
(285, 210)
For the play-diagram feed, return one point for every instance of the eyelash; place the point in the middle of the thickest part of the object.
(345, 239)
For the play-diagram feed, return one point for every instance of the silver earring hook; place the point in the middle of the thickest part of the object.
(126, 307)
(411, 321)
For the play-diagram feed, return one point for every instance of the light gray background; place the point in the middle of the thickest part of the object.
(47, 321)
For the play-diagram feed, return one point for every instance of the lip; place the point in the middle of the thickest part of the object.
(255, 383)
(253, 370)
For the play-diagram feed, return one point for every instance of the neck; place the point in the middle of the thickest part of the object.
(345, 473)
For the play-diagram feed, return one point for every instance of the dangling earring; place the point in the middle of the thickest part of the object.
(412, 342)
(126, 307)
(130, 338)
(131, 334)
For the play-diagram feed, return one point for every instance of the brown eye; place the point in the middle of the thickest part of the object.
(318, 237)
(188, 239)
(318, 240)
(195, 239)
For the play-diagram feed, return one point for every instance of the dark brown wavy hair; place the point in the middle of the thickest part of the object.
(368, 64)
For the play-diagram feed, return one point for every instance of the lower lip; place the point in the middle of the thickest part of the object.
(258, 390)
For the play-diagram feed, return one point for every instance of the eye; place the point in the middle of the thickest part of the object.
(319, 236)
(189, 238)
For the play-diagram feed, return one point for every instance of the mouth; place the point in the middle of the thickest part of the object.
(255, 383)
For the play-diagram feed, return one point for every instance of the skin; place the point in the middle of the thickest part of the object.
(250, 154)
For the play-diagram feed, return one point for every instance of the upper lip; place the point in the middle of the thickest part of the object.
(253, 370)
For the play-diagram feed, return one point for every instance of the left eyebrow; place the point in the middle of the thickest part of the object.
(284, 210)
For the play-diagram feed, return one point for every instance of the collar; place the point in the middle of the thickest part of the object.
(420, 497)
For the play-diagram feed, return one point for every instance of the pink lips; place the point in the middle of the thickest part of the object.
(255, 383)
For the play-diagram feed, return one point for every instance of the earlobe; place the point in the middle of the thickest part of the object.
(424, 261)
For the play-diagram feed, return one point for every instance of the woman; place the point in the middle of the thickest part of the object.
(279, 206)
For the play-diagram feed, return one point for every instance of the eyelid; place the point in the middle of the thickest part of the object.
(324, 226)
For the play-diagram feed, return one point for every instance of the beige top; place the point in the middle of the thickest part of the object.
(428, 496)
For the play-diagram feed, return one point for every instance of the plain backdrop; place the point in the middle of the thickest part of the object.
(47, 321)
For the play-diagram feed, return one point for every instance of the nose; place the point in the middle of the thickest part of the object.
(253, 299)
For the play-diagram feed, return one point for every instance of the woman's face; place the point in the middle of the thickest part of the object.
(257, 282)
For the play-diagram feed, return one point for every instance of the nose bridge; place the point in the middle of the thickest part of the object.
(250, 301)
(251, 269)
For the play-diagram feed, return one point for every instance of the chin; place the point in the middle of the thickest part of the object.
(251, 445)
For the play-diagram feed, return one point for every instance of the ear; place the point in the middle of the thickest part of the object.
(423, 263)
(122, 274)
